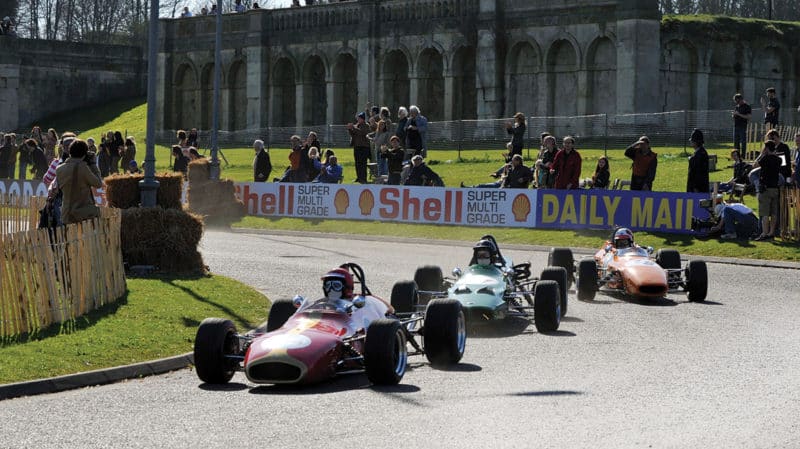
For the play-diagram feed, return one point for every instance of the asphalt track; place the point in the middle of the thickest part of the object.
(618, 374)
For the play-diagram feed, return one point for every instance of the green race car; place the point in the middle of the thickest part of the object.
(492, 287)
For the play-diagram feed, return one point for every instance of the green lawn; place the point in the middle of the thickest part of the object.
(156, 318)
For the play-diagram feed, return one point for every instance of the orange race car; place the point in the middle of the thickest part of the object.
(624, 267)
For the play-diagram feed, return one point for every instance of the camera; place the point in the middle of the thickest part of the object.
(90, 158)
(702, 226)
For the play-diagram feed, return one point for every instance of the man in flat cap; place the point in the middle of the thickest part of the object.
(645, 162)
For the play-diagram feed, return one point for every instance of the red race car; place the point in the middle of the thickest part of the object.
(308, 341)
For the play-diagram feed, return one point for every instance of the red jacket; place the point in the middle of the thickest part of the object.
(567, 168)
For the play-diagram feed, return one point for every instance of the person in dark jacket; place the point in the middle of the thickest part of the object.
(518, 176)
(697, 181)
(361, 150)
(567, 166)
(394, 156)
(645, 163)
(422, 175)
(262, 166)
(38, 160)
(768, 190)
(517, 131)
(181, 163)
(602, 173)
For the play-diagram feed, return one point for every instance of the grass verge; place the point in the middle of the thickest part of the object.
(157, 318)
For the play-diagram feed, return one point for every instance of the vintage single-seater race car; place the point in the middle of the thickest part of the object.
(308, 341)
(492, 287)
(633, 272)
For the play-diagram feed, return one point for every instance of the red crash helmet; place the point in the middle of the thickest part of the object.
(345, 281)
(623, 238)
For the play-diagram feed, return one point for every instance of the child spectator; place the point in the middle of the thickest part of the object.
(601, 174)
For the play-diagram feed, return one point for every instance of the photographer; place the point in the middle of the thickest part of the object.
(76, 177)
(735, 221)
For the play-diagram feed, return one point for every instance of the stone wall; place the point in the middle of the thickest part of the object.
(39, 78)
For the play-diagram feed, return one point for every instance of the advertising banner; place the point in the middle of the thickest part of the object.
(468, 207)
(669, 212)
(35, 187)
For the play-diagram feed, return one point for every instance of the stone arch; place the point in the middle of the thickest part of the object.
(524, 67)
(345, 88)
(237, 100)
(562, 71)
(315, 96)
(430, 84)
(464, 97)
(601, 64)
(679, 80)
(395, 79)
(770, 66)
(283, 93)
(207, 96)
(726, 64)
(185, 97)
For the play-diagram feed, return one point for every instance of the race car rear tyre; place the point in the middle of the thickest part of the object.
(668, 258)
(428, 278)
(546, 313)
(216, 338)
(562, 257)
(445, 332)
(279, 313)
(558, 274)
(385, 352)
(697, 281)
(404, 296)
(587, 279)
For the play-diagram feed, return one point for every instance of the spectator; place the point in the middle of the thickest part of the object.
(103, 159)
(742, 113)
(128, 152)
(295, 3)
(697, 180)
(239, 7)
(567, 166)
(133, 168)
(24, 158)
(193, 154)
(12, 157)
(771, 107)
(783, 152)
(517, 131)
(740, 171)
(544, 180)
(76, 179)
(380, 141)
(374, 116)
(422, 175)
(38, 161)
(602, 174)
(255, 6)
(5, 156)
(311, 141)
(331, 173)
(361, 152)
(645, 162)
(297, 171)
(186, 13)
(395, 155)
(7, 27)
(518, 175)
(736, 221)
(314, 163)
(116, 149)
(262, 166)
(768, 191)
(386, 116)
(203, 11)
(180, 162)
(402, 122)
(191, 138)
(50, 140)
(36, 134)
(416, 131)
(213, 10)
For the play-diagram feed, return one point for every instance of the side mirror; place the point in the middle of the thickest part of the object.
(650, 250)
(298, 301)
(457, 272)
(359, 302)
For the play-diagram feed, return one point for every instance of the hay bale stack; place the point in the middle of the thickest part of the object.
(122, 191)
(170, 189)
(164, 238)
(215, 201)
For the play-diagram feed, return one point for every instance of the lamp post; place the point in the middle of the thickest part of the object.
(149, 185)
(214, 163)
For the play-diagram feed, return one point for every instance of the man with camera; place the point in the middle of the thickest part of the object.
(76, 177)
(735, 221)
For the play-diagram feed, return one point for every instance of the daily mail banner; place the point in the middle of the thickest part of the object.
(28, 188)
(668, 212)
(469, 207)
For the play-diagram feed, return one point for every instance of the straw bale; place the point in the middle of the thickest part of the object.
(199, 170)
(164, 238)
(170, 189)
(122, 191)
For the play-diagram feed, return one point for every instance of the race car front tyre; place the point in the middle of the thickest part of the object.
(385, 352)
(428, 278)
(445, 332)
(216, 338)
(558, 274)
(668, 258)
(562, 257)
(279, 313)
(697, 281)
(404, 296)
(547, 305)
(587, 280)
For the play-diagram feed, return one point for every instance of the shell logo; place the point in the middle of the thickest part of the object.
(366, 202)
(341, 201)
(521, 207)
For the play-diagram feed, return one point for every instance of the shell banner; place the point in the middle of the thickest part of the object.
(432, 205)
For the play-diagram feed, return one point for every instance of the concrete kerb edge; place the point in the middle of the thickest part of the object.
(96, 377)
(519, 247)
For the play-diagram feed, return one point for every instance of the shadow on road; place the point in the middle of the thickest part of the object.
(546, 393)
(233, 386)
(335, 385)
(461, 368)
(571, 319)
(507, 327)
(559, 334)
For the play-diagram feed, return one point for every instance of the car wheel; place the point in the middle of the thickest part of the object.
(668, 258)
(697, 280)
(385, 352)
(562, 257)
(587, 279)
(404, 296)
(279, 313)
(558, 274)
(428, 278)
(216, 338)
(445, 332)
(546, 313)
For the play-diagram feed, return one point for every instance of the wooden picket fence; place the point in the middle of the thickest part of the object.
(790, 214)
(54, 276)
(18, 213)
